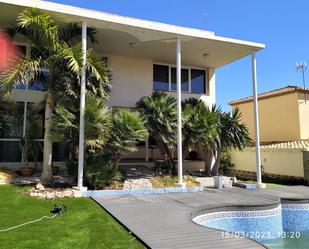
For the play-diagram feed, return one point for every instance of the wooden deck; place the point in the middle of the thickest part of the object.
(164, 221)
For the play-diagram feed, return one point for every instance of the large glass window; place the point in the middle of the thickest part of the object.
(11, 130)
(61, 151)
(184, 80)
(192, 80)
(35, 120)
(160, 77)
(198, 81)
(11, 119)
(10, 151)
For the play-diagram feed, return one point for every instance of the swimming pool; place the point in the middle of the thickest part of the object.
(283, 226)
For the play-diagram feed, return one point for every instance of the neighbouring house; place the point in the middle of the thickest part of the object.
(142, 58)
(284, 132)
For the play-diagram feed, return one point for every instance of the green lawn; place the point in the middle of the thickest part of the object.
(85, 226)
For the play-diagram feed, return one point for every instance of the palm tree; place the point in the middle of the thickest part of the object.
(160, 112)
(233, 134)
(61, 59)
(65, 124)
(200, 128)
(127, 129)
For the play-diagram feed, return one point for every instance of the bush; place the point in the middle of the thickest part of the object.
(99, 173)
(166, 167)
(72, 168)
(225, 163)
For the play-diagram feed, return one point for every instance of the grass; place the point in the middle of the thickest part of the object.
(268, 185)
(84, 226)
(169, 182)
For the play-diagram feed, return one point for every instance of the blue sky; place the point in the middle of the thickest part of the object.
(281, 24)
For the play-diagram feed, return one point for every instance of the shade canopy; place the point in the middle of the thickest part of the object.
(138, 38)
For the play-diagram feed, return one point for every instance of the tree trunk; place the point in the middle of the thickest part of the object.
(117, 162)
(208, 161)
(216, 166)
(47, 174)
(168, 151)
(162, 150)
(186, 152)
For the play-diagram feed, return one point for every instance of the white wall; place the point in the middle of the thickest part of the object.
(133, 78)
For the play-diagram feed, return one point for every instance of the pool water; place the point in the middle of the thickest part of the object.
(289, 243)
(282, 227)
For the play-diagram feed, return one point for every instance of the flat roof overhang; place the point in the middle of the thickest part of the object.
(152, 40)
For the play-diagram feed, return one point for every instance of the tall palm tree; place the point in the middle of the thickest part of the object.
(233, 134)
(160, 112)
(59, 58)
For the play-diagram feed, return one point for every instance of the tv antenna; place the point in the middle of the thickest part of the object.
(302, 67)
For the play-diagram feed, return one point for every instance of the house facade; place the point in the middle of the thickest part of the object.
(284, 132)
(142, 58)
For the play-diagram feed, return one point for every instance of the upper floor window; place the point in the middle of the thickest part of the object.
(192, 80)
(161, 77)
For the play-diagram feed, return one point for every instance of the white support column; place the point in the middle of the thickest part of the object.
(147, 150)
(179, 125)
(82, 108)
(256, 123)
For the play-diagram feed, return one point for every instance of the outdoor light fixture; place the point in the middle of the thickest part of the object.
(132, 44)
(205, 55)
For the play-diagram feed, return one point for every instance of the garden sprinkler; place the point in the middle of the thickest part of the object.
(56, 210)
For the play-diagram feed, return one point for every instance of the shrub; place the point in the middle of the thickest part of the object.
(72, 168)
(100, 173)
(225, 162)
(166, 167)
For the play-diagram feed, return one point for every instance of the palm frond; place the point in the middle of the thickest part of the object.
(73, 56)
(97, 123)
(72, 34)
(24, 71)
(128, 128)
(96, 66)
(39, 21)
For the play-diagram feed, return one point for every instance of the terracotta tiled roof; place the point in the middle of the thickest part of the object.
(300, 144)
(279, 91)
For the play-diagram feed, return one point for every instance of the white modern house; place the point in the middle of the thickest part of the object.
(143, 56)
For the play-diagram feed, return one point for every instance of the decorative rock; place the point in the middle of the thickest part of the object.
(77, 193)
(6, 177)
(50, 193)
(139, 183)
(39, 186)
(34, 194)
